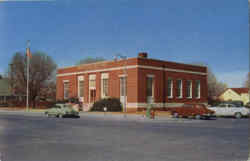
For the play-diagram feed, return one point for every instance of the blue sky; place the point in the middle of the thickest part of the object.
(214, 32)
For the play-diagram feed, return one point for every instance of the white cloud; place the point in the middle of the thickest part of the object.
(234, 79)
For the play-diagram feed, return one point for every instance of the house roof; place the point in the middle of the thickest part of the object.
(240, 90)
(4, 87)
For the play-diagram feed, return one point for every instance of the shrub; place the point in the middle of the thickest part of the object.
(112, 104)
(73, 100)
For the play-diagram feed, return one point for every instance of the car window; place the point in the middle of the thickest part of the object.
(222, 105)
(199, 106)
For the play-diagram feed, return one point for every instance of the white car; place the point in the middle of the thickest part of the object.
(227, 109)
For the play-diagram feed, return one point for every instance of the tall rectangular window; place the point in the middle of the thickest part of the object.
(179, 88)
(66, 89)
(81, 87)
(92, 84)
(104, 85)
(170, 88)
(149, 86)
(189, 89)
(92, 88)
(197, 89)
(122, 86)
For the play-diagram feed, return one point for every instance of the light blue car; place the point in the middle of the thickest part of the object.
(61, 110)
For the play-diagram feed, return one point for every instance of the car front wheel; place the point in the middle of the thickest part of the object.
(238, 115)
(60, 116)
(197, 117)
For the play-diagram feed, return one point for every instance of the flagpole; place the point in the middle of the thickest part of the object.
(28, 64)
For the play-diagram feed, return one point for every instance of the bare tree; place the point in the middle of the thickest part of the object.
(247, 82)
(41, 68)
(215, 88)
(89, 60)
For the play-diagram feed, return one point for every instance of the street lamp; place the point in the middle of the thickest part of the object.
(125, 80)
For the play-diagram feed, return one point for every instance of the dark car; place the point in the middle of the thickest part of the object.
(196, 111)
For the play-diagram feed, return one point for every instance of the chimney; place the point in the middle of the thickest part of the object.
(143, 55)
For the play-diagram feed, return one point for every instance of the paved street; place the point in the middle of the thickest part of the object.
(33, 137)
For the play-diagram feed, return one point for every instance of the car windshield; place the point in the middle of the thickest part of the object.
(69, 105)
(56, 106)
(199, 106)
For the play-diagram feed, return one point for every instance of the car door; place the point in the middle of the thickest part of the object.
(53, 111)
(231, 110)
(221, 110)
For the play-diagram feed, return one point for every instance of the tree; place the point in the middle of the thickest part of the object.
(1, 76)
(89, 60)
(41, 75)
(247, 82)
(215, 88)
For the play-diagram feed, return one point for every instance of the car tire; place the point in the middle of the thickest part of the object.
(197, 117)
(238, 115)
(175, 115)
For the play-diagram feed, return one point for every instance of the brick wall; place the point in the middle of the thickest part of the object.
(138, 69)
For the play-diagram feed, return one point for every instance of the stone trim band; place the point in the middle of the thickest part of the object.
(132, 67)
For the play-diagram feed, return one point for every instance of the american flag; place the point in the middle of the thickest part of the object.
(28, 53)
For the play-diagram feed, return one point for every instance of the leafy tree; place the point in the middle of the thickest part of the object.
(89, 60)
(41, 75)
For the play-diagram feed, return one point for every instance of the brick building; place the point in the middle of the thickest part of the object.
(147, 80)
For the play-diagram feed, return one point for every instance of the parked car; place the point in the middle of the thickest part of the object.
(236, 103)
(227, 109)
(196, 111)
(62, 110)
(247, 105)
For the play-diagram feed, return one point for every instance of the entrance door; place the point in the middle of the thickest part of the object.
(92, 95)
(123, 92)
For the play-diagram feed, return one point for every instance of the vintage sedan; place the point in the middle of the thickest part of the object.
(62, 110)
(196, 111)
(227, 109)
